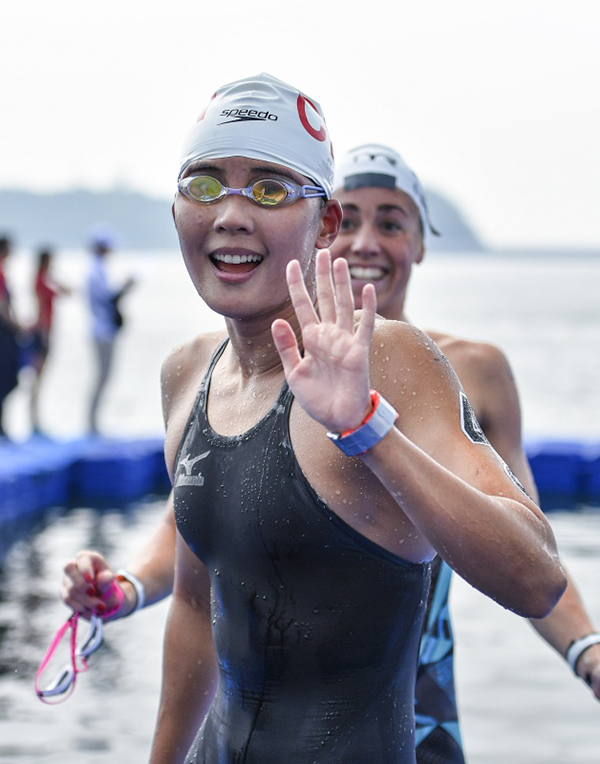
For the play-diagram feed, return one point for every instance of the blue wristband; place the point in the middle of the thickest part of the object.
(379, 422)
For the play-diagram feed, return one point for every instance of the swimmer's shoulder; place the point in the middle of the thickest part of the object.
(186, 364)
(484, 372)
(406, 362)
(471, 359)
(403, 347)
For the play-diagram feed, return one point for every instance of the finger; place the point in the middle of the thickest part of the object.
(325, 291)
(74, 574)
(344, 296)
(104, 581)
(81, 599)
(366, 325)
(89, 564)
(286, 345)
(301, 300)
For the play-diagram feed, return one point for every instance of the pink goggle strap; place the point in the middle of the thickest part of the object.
(71, 623)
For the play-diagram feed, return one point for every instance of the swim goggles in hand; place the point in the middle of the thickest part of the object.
(64, 683)
(266, 192)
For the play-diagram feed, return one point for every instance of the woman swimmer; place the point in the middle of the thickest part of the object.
(301, 570)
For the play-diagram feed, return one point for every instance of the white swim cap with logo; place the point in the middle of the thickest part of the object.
(374, 165)
(263, 118)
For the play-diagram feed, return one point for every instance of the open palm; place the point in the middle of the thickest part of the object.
(331, 379)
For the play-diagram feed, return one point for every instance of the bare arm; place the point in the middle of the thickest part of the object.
(88, 576)
(490, 385)
(459, 498)
(190, 673)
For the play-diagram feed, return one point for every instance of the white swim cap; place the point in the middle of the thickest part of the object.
(374, 165)
(263, 118)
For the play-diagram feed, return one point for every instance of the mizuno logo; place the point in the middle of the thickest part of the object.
(184, 471)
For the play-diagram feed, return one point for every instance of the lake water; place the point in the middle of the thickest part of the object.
(544, 312)
(518, 700)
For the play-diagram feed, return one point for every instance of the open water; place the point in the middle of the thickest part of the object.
(519, 702)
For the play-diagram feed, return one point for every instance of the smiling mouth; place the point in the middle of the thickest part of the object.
(367, 273)
(236, 263)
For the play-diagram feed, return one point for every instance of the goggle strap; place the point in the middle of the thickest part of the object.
(115, 589)
(70, 623)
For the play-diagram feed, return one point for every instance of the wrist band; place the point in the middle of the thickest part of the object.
(140, 591)
(578, 647)
(374, 428)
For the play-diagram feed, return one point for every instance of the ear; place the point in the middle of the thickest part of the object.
(421, 252)
(330, 220)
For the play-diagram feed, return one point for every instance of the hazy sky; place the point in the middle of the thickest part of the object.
(496, 105)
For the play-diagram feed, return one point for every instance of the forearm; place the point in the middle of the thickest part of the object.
(154, 564)
(568, 622)
(500, 545)
(89, 576)
(189, 682)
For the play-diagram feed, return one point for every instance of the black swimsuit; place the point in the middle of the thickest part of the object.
(316, 628)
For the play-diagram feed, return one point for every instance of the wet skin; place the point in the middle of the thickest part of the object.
(235, 251)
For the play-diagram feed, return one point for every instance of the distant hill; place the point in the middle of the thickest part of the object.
(456, 233)
(63, 220)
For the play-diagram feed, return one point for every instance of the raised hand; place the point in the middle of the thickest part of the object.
(331, 379)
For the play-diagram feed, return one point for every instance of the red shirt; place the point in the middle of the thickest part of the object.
(45, 294)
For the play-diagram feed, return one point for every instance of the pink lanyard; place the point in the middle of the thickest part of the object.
(71, 671)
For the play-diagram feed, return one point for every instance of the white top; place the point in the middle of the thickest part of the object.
(100, 296)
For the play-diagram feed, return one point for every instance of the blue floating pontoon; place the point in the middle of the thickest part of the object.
(40, 473)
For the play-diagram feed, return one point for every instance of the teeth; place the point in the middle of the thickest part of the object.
(238, 259)
(364, 273)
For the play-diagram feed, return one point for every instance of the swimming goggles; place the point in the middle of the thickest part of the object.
(64, 682)
(66, 677)
(266, 192)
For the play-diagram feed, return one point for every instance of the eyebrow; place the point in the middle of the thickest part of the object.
(381, 208)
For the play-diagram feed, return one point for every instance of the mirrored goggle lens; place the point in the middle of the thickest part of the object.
(269, 193)
(203, 188)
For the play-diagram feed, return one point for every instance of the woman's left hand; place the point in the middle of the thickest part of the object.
(331, 379)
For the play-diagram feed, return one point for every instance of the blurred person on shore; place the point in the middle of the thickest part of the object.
(106, 316)
(300, 624)
(46, 289)
(10, 335)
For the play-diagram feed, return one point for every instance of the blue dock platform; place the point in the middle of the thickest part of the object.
(40, 474)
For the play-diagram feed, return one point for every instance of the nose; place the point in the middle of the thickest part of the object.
(234, 214)
(365, 242)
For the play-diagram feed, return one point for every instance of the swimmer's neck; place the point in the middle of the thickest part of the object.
(394, 312)
(252, 351)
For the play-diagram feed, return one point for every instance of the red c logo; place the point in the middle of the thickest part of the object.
(319, 135)
(201, 117)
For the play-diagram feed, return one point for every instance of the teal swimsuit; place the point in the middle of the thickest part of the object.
(438, 734)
